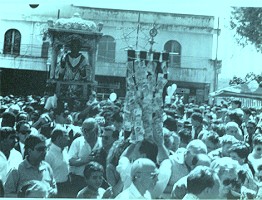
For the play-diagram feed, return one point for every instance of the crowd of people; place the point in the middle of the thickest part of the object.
(74, 149)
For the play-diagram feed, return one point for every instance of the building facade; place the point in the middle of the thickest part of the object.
(187, 38)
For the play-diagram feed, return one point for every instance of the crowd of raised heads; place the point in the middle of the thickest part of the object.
(53, 148)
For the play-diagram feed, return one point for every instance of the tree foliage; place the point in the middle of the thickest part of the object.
(249, 77)
(247, 22)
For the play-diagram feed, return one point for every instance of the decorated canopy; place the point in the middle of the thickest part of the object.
(248, 90)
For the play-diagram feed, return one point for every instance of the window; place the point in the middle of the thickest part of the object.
(12, 42)
(174, 48)
(106, 49)
(44, 52)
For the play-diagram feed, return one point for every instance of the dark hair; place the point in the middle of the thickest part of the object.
(237, 102)
(257, 140)
(235, 117)
(56, 132)
(247, 111)
(185, 136)
(197, 116)
(6, 131)
(150, 149)
(29, 109)
(32, 140)
(19, 118)
(170, 123)
(241, 149)
(200, 178)
(92, 167)
(8, 119)
(20, 123)
(117, 117)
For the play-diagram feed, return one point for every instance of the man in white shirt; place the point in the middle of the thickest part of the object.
(144, 177)
(79, 152)
(57, 157)
(9, 157)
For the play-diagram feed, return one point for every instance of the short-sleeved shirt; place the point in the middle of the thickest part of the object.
(79, 149)
(6, 165)
(58, 160)
(27, 172)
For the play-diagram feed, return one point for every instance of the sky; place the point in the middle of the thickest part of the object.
(236, 60)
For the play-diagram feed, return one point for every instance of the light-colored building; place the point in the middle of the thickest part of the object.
(188, 38)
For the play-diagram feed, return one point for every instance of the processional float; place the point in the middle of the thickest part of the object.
(63, 33)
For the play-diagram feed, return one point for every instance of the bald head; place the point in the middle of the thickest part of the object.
(142, 165)
(197, 146)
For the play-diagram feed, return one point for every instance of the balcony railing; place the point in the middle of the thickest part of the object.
(23, 62)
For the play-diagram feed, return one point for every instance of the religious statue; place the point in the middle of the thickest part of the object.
(74, 66)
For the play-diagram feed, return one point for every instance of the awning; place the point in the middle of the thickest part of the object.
(249, 90)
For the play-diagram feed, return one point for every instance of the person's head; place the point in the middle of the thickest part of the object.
(34, 116)
(239, 152)
(257, 146)
(33, 189)
(35, 148)
(90, 130)
(109, 136)
(170, 123)
(193, 148)
(247, 113)
(8, 119)
(14, 108)
(60, 137)
(226, 142)
(23, 129)
(22, 116)
(203, 182)
(233, 129)
(234, 116)
(185, 137)
(148, 150)
(211, 139)
(7, 139)
(201, 160)
(227, 170)
(235, 103)
(75, 43)
(196, 119)
(144, 174)
(251, 127)
(93, 174)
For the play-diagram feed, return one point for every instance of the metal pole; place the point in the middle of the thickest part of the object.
(138, 29)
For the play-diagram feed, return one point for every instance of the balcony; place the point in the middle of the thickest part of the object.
(200, 75)
(23, 62)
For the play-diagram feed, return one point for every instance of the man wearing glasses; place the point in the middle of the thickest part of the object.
(144, 177)
(32, 168)
(79, 154)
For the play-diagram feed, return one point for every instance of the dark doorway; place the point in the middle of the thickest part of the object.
(22, 82)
